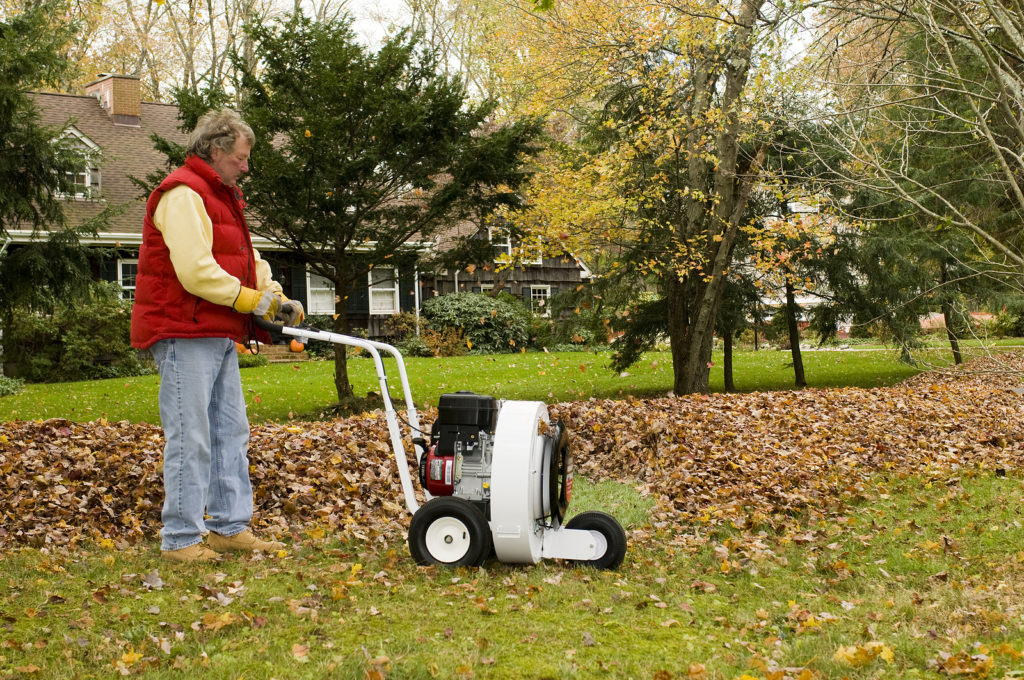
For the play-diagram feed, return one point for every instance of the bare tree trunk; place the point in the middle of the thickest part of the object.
(345, 278)
(727, 361)
(949, 317)
(144, 27)
(757, 328)
(794, 336)
(342, 385)
(954, 342)
(693, 298)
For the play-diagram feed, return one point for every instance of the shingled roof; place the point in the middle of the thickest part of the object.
(124, 140)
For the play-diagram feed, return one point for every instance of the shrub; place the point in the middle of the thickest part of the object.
(777, 330)
(745, 338)
(447, 342)
(10, 386)
(543, 332)
(400, 327)
(498, 324)
(415, 346)
(575, 330)
(84, 339)
(252, 360)
(1009, 323)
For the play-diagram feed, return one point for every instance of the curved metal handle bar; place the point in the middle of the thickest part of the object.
(374, 348)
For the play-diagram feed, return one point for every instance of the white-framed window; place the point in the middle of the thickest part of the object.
(539, 296)
(486, 288)
(127, 270)
(319, 294)
(383, 282)
(86, 183)
(502, 243)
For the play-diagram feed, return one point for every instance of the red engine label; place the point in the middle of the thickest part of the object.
(440, 473)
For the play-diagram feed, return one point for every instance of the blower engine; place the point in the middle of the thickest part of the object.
(501, 478)
(497, 476)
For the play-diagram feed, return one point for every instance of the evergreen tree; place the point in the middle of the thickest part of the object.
(910, 255)
(360, 153)
(37, 165)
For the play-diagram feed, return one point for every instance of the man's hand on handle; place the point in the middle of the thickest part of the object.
(290, 313)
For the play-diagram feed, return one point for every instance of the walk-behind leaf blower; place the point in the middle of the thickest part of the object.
(497, 476)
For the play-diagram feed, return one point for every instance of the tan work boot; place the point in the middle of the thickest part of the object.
(193, 553)
(243, 542)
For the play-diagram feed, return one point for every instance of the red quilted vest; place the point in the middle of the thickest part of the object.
(163, 308)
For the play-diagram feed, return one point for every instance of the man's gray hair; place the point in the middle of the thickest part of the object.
(218, 130)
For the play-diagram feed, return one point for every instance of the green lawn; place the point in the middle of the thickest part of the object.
(903, 576)
(302, 391)
(920, 579)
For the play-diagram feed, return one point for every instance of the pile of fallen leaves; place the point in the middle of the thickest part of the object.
(741, 457)
(750, 457)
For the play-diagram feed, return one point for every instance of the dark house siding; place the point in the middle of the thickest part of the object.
(560, 273)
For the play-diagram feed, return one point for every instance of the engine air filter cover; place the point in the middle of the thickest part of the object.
(468, 409)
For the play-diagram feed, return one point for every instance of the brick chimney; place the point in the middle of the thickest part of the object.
(119, 96)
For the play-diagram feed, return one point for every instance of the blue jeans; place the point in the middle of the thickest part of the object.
(206, 466)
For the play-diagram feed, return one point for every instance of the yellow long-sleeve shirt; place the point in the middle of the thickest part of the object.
(188, 233)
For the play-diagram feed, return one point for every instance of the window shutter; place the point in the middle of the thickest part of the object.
(407, 291)
(359, 296)
(298, 278)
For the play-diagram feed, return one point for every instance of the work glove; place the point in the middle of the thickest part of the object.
(268, 306)
(263, 303)
(289, 313)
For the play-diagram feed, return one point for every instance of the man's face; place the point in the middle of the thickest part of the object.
(231, 164)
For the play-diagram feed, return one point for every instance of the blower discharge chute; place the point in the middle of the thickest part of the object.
(497, 476)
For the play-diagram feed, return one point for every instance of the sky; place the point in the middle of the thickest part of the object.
(368, 14)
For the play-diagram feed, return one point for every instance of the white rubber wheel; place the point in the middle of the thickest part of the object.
(449, 531)
(447, 539)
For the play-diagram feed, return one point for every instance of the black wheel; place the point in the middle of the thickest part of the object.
(559, 473)
(449, 531)
(610, 529)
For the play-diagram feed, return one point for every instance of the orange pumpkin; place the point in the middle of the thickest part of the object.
(242, 349)
(296, 346)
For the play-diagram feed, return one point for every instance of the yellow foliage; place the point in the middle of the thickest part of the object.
(553, 61)
(861, 655)
(130, 657)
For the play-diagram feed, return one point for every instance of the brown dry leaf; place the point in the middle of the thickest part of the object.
(216, 621)
(964, 664)
(714, 459)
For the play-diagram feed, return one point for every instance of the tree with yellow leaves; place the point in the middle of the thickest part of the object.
(661, 130)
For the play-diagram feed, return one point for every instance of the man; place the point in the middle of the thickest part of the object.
(200, 283)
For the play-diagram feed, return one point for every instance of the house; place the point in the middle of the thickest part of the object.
(935, 322)
(535, 281)
(111, 121)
